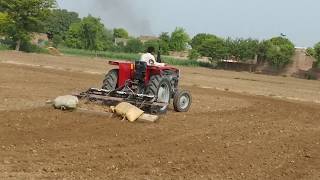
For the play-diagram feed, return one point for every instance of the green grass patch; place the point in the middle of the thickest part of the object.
(25, 47)
(131, 57)
(102, 54)
(184, 62)
(4, 47)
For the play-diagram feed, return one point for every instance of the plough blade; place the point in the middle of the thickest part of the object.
(112, 98)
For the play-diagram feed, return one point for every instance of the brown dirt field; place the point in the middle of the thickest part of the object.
(226, 135)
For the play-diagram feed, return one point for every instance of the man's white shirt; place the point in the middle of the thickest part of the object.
(150, 60)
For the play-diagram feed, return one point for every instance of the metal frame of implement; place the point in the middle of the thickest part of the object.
(107, 97)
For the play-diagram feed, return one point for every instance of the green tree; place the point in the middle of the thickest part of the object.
(317, 50)
(164, 47)
(4, 22)
(3, 18)
(134, 46)
(262, 51)
(193, 55)
(316, 54)
(107, 39)
(214, 49)
(91, 30)
(120, 33)
(165, 37)
(310, 52)
(279, 52)
(242, 49)
(152, 43)
(26, 16)
(89, 34)
(119, 47)
(59, 22)
(164, 42)
(231, 46)
(73, 39)
(198, 40)
(179, 40)
(56, 40)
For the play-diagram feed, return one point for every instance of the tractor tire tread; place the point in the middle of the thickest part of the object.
(153, 86)
(111, 80)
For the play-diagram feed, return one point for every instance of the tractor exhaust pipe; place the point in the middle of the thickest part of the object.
(159, 60)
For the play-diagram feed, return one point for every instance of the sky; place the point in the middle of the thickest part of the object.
(259, 19)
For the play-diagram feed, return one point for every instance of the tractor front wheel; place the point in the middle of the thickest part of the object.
(111, 80)
(160, 87)
(182, 101)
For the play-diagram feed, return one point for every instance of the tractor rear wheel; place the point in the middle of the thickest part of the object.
(160, 87)
(182, 101)
(111, 80)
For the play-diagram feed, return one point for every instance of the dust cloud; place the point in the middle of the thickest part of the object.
(121, 13)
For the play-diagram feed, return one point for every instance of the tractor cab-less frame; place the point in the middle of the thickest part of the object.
(150, 88)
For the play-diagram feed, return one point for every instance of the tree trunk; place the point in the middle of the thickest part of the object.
(18, 45)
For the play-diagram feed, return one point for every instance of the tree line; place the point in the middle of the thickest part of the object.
(20, 18)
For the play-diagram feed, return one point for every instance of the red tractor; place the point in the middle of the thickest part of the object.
(148, 87)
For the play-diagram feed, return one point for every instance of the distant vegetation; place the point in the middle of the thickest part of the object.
(4, 47)
(131, 57)
(315, 52)
(120, 33)
(19, 19)
(278, 51)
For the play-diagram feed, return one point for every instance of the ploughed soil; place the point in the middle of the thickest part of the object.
(234, 129)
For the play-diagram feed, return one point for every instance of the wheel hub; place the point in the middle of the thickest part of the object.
(184, 101)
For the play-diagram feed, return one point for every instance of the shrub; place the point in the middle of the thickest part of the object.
(132, 57)
(214, 49)
(89, 34)
(134, 46)
(4, 47)
(179, 40)
(120, 33)
(310, 75)
(194, 54)
(242, 49)
(317, 55)
(31, 48)
(151, 43)
(279, 52)
(310, 52)
(199, 39)
(56, 40)
(164, 46)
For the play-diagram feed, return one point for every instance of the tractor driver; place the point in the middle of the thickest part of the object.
(149, 58)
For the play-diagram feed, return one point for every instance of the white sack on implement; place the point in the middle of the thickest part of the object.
(66, 102)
